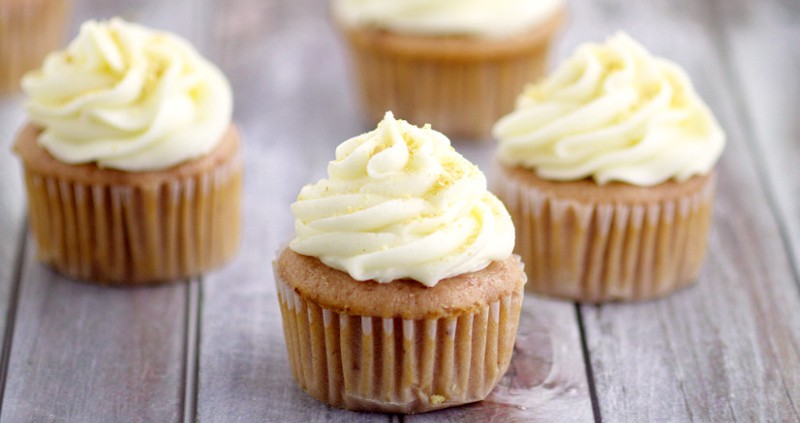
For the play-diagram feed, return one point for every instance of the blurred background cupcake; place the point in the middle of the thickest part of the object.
(29, 29)
(457, 65)
(607, 167)
(131, 162)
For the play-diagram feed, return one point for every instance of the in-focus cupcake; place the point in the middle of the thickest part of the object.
(455, 64)
(132, 165)
(399, 293)
(607, 168)
(29, 29)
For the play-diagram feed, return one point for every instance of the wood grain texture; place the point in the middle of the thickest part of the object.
(759, 41)
(12, 216)
(303, 106)
(89, 353)
(727, 348)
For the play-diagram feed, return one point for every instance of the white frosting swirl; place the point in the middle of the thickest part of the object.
(129, 98)
(612, 112)
(483, 18)
(399, 203)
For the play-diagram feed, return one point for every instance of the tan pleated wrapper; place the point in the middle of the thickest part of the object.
(29, 30)
(115, 227)
(460, 85)
(592, 243)
(366, 346)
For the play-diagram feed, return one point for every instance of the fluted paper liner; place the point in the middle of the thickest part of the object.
(137, 232)
(596, 251)
(29, 30)
(460, 86)
(397, 365)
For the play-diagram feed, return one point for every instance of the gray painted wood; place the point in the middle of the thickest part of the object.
(759, 41)
(12, 211)
(86, 353)
(726, 349)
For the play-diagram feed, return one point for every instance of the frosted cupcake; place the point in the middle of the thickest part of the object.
(29, 29)
(457, 65)
(399, 293)
(607, 168)
(131, 162)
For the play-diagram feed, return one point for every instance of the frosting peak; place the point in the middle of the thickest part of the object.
(484, 18)
(399, 203)
(128, 97)
(612, 112)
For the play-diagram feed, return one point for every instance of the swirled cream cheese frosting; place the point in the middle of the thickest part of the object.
(481, 18)
(400, 203)
(127, 97)
(612, 112)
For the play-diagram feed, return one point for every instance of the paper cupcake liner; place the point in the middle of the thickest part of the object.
(128, 234)
(460, 91)
(596, 252)
(397, 365)
(29, 30)
(462, 100)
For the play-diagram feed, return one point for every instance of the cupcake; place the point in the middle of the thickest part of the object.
(455, 64)
(399, 293)
(131, 162)
(607, 168)
(29, 29)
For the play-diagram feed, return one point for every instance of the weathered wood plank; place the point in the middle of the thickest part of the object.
(94, 354)
(726, 349)
(766, 80)
(12, 210)
(760, 43)
(295, 102)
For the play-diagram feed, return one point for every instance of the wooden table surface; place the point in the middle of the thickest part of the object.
(212, 349)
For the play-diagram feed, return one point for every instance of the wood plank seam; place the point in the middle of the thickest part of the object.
(719, 34)
(191, 358)
(791, 401)
(587, 364)
(13, 301)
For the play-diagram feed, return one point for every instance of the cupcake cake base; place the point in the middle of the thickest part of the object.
(398, 347)
(460, 85)
(115, 227)
(591, 243)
